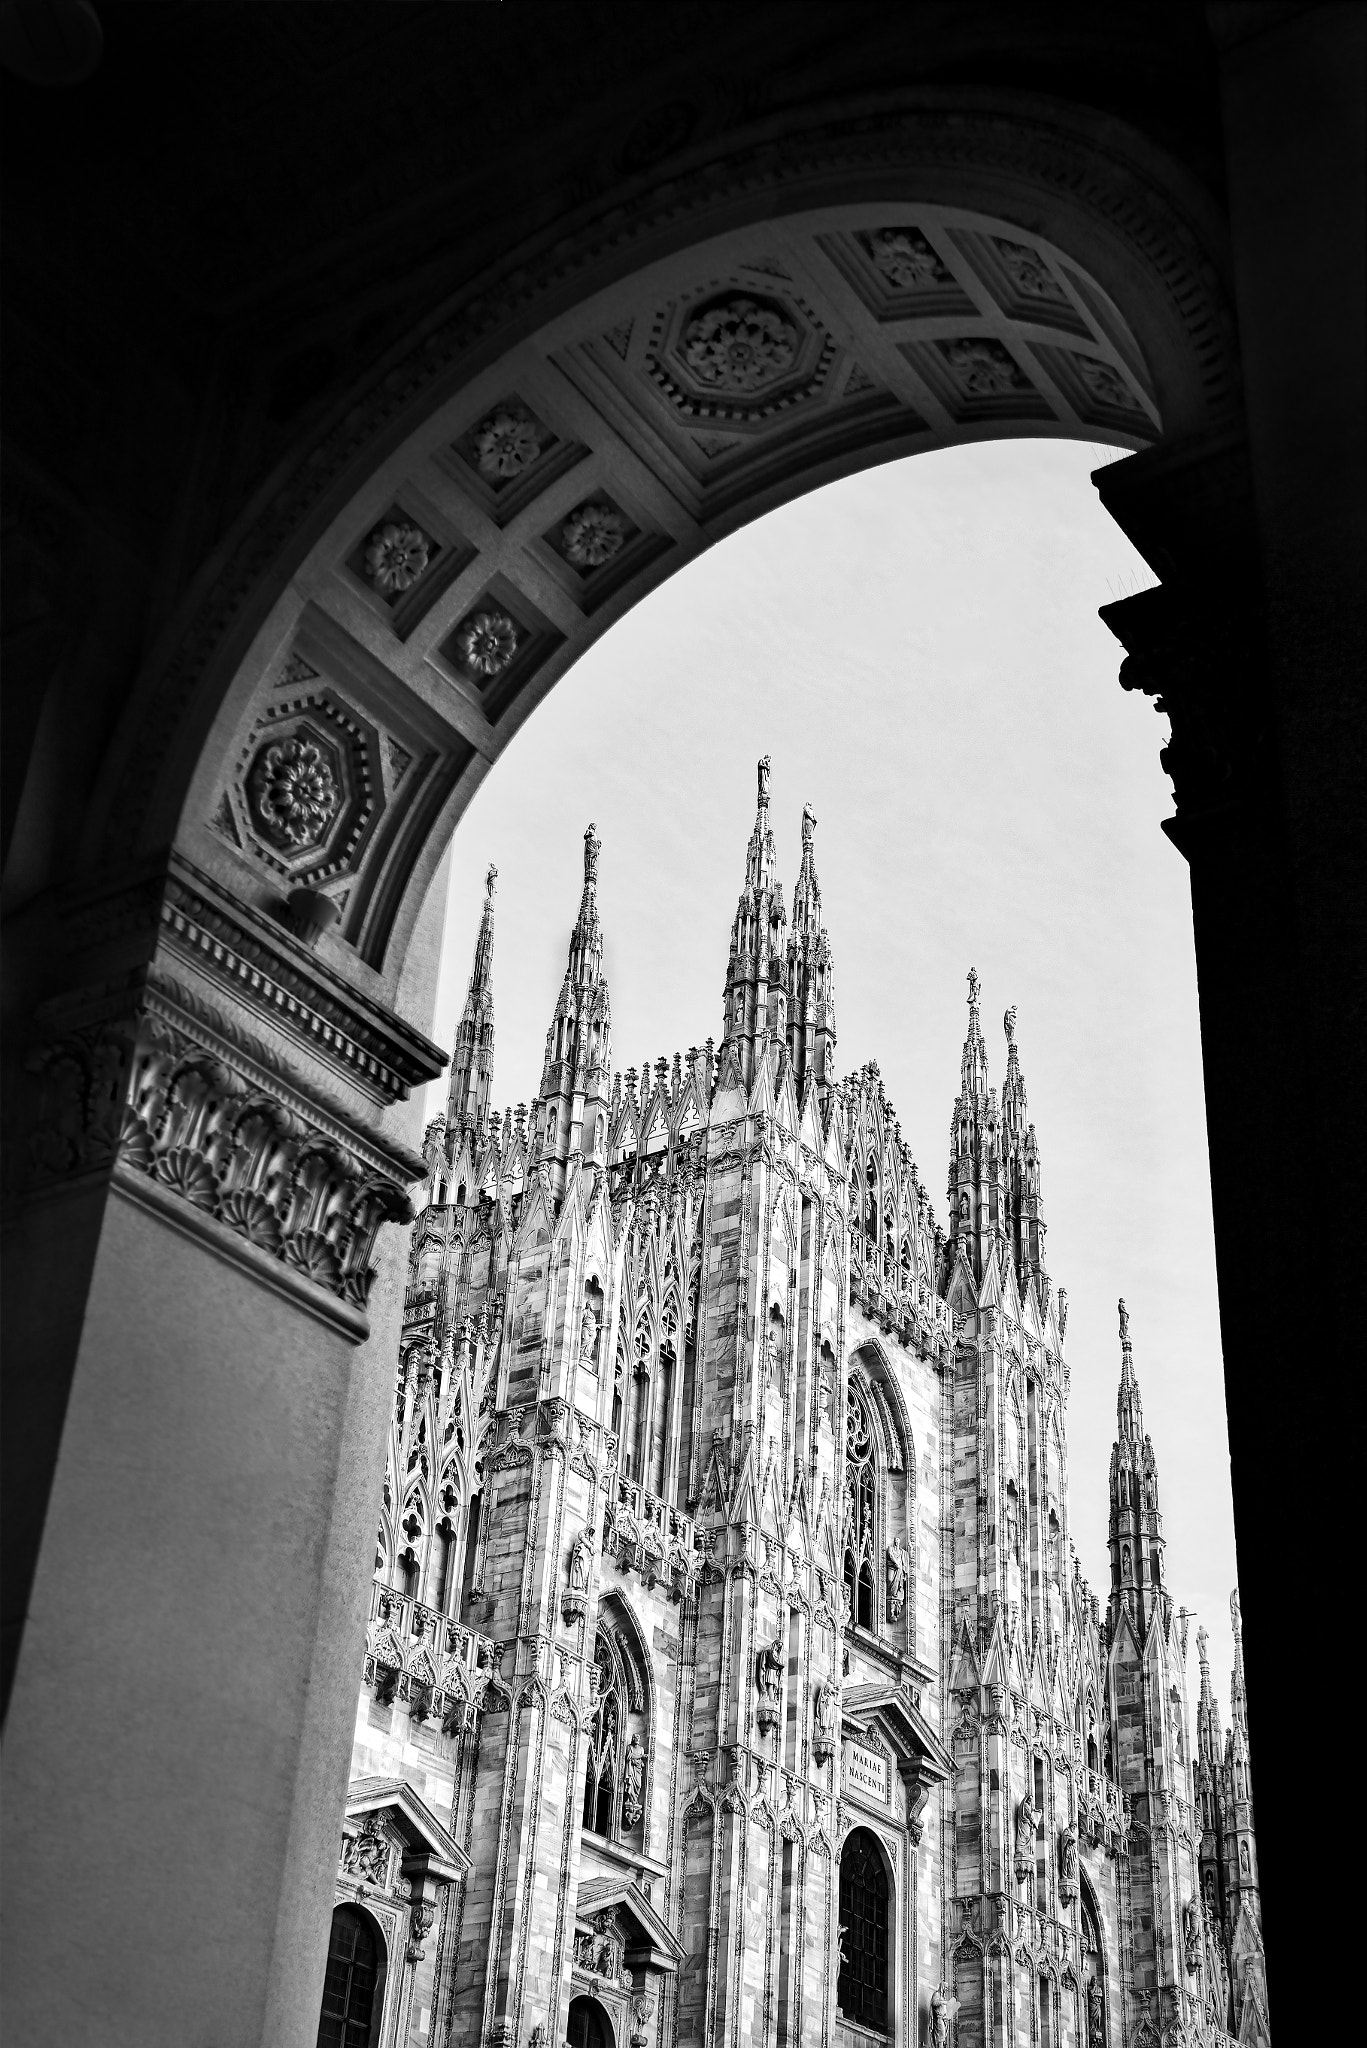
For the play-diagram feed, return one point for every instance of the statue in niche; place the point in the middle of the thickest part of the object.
(633, 1777)
(1124, 1560)
(1067, 1863)
(1096, 2016)
(589, 1330)
(769, 1670)
(1027, 1820)
(941, 2004)
(576, 1601)
(773, 1362)
(1245, 1867)
(899, 1577)
(1191, 1934)
(825, 1719)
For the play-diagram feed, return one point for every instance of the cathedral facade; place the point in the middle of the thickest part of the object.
(730, 1674)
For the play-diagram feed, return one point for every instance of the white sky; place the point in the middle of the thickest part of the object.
(918, 650)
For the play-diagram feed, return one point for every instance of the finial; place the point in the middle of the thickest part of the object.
(1009, 1025)
(489, 881)
(1124, 1323)
(973, 987)
(808, 824)
(592, 848)
(763, 780)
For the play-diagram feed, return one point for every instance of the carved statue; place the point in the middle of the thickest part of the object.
(1191, 1934)
(941, 2004)
(576, 1601)
(769, 1670)
(633, 1776)
(899, 1575)
(1096, 2016)
(1027, 1820)
(366, 1855)
(825, 1719)
(1067, 1863)
(773, 1363)
(588, 1336)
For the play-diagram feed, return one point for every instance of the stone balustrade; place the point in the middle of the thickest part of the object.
(644, 1534)
(418, 1654)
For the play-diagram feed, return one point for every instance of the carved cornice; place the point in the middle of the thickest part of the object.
(145, 1075)
(274, 974)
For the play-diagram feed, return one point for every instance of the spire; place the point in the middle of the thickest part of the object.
(1025, 1219)
(472, 1061)
(1207, 1712)
(1129, 1411)
(1238, 1697)
(974, 1145)
(1136, 1532)
(571, 1110)
(756, 1000)
(810, 977)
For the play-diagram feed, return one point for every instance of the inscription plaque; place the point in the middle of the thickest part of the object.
(867, 1772)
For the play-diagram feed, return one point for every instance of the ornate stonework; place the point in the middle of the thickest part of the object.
(681, 1534)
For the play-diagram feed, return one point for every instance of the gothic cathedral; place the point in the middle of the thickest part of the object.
(730, 1674)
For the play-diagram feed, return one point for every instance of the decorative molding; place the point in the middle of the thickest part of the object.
(271, 972)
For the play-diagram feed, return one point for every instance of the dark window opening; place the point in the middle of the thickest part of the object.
(467, 1577)
(349, 1983)
(587, 2027)
(862, 1992)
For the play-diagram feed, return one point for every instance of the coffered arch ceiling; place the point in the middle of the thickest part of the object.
(537, 461)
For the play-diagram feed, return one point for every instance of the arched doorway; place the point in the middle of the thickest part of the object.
(589, 2026)
(353, 1981)
(556, 315)
(865, 1991)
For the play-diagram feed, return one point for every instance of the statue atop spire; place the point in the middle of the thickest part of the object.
(593, 846)
(472, 1059)
(756, 999)
(810, 976)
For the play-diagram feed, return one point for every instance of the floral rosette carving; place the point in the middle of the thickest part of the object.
(487, 642)
(396, 555)
(293, 792)
(1110, 387)
(592, 535)
(905, 258)
(508, 442)
(740, 345)
(984, 367)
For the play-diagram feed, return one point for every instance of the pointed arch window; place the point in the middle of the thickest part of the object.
(614, 1771)
(860, 1513)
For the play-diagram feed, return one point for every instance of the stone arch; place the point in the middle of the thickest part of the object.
(1078, 185)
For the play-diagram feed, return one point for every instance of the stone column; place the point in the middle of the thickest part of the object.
(203, 1304)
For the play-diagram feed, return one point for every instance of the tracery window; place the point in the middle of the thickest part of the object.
(860, 1513)
(863, 1988)
(614, 1771)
